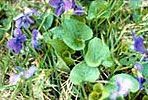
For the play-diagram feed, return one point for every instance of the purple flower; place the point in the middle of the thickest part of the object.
(139, 75)
(68, 4)
(14, 78)
(24, 20)
(78, 10)
(55, 3)
(28, 73)
(16, 43)
(34, 41)
(62, 6)
(141, 80)
(123, 88)
(58, 5)
(138, 67)
(138, 44)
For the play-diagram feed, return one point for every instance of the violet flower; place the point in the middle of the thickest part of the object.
(138, 44)
(58, 5)
(28, 73)
(138, 67)
(35, 37)
(14, 78)
(122, 89)
(24, 20)
(78, 10)
(62, 6)
(16, 43)
(139, 75)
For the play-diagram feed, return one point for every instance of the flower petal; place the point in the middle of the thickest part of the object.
(78, 10)
(14, 46)
(35, 44)
(24, 20)
(29, 11)
(141, 80)
(138, 43)
(123, 89)
(55, 3)
(27, 74)
(138, 66)
(29, 20)
(17, 32)
(67, 5)
(59, 10)
(35, 34)
(14, 78)
(18, 23)
(26, 24)
(34, 41)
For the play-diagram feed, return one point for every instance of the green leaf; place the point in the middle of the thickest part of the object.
(75, 33)
(66, 55)
(145, 70)
(2, 33)
(48, 21)
(128, 60)
(57, 32)
(82, 72)
(7, 23)
(134, 84)
(96, 53)
(96, 8)
(60, 47)
(62, 65)
(145, 84)
(108, 89)
(47, 37)
(145, 97)
(107, 63)
(62, 50)
(45, 20)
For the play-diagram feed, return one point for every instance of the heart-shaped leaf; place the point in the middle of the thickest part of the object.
(82, 72)
(75, 33)
(96, 53)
